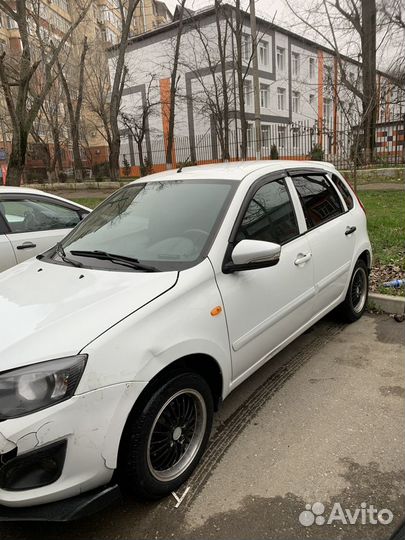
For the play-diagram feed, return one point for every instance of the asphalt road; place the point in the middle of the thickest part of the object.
(323, 422)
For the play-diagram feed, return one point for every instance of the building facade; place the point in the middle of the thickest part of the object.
(102, 28)
(303, 101)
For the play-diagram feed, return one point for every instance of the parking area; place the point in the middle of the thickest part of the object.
(322, 423)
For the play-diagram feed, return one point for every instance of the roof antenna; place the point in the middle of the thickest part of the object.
(184, 163)
(189, 156)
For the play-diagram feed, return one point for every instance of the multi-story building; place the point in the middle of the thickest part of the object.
(150, 14)
(102, 27)
(303, 98)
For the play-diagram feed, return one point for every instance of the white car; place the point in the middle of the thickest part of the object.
(117, 346)
(32, 221)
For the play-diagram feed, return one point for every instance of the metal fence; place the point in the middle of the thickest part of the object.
(300, 141)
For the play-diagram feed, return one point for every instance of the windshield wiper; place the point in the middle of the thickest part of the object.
(62, 254)
(119, 259)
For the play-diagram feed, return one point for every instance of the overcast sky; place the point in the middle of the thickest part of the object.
(278, 12)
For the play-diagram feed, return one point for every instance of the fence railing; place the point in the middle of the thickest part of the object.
(299, 141)
(330, 141)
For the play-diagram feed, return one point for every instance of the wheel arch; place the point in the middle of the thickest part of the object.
(365, 256)
(203, 364)
(206, 366)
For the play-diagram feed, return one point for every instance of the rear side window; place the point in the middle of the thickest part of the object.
(32, 215)
(270, 215)
(343, 191)
(319, 199)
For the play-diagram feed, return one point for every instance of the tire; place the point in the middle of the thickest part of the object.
(355, 302)
(164, 441)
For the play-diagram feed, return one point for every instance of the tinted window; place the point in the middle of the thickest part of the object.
(23, 215)
(270, 215)
(343, 191)
(318, 197)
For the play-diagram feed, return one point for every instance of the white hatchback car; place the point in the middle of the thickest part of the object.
(117, 346)
(31, 221)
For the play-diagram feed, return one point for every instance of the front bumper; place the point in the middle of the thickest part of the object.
(66, 510)
(92, 425)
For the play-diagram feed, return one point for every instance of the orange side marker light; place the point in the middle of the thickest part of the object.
(216, 311)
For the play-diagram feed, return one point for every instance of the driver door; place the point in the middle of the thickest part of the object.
(34, 224)
(265, 307)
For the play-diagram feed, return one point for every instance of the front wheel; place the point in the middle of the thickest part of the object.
(355, 302)
(163, 443)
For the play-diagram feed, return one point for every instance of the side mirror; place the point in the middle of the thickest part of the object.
(251, 254)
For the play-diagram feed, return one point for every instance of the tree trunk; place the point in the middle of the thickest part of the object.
(114, 157)
(224, 83)
(369, 72)
(77, 158)
(173, 84)
(140, 155)
(16, 161)
(239, 69)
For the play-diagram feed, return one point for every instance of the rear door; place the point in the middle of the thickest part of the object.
(7, 257)
(330, 234)
(35, 223)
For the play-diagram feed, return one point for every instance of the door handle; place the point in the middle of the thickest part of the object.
(302, 258)
(350, 230)
(27, 245)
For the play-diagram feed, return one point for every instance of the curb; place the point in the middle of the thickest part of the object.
(394, 305)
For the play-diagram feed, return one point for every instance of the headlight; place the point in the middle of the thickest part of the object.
(29, 389)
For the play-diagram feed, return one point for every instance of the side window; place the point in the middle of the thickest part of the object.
(343, 191)
(270, 215)
(24, 215)
(319, 199)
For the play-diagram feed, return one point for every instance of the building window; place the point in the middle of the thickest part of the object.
(295, 61)
(312, 100)
(247, 92)
(296, 102)
(327, 109)
(11, 23)
(249, 133)
(312, 68)
(264, 96)
(280, 58)
(263, 53)
(295, 137)
(281, 132)
(328, 75)
(246, 47)
(266, 137)
(281, 99)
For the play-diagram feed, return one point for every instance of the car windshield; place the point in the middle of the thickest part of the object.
(161, 225)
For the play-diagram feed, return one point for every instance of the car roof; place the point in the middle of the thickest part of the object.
(236, 170)
(14, 190)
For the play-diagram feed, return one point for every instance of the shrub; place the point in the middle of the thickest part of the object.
(273, 152)
(101, 170)
(317, 153)
(147, 167)
(126, 166)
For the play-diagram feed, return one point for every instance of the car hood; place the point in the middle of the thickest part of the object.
(50, 310)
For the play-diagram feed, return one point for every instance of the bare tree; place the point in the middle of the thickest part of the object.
(350, 25)
(137, 122)
(174, 79)
(27, 77)
(213, 53)
(74, 108)
(49, 125)
(126, 9)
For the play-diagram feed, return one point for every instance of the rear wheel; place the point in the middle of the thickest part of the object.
(163, 443)
(355, 302)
